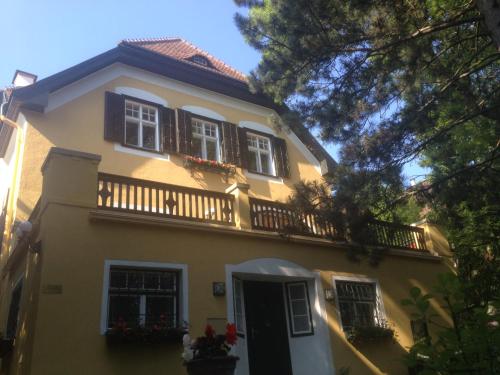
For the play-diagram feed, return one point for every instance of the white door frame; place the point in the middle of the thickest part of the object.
(309, 354)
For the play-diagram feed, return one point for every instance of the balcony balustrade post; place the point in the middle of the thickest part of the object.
(69, 177)
(241, 205)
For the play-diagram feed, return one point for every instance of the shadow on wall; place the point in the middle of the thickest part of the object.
(127, 358)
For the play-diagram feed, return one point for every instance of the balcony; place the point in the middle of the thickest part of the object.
(118, 193)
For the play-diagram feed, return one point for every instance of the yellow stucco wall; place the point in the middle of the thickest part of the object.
(67, 332)
(61, 333)
(79, 125)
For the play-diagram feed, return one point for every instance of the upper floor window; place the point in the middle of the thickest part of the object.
(358, 304)
(260, 158)
(142, 297)
(205, 140)
(141, 126)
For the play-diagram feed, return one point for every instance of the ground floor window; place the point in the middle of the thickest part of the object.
(143, 297)
(299, 309)
(359, 304)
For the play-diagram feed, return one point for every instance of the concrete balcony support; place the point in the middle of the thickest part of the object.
(241, 205)
(69, 177)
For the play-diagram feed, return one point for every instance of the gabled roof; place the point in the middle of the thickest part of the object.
(170, 58)
(184, 51)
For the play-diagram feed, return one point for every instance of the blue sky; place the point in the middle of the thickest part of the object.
(45, 37)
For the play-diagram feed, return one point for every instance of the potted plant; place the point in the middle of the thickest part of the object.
(361, 334)
(209, 354)
(158, 333)
(195, 163)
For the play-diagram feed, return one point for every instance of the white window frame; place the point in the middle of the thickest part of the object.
(239, 330)
(289, 300)
(182, 269)
(141, 123)
(379, 305)
(203, 137)
(258, 151)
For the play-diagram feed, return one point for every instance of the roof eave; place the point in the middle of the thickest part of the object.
(35, 97)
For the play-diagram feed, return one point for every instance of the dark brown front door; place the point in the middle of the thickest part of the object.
(267, 335)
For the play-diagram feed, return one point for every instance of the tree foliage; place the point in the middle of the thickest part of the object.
(470, 345)
(391, 82)
(394, 81)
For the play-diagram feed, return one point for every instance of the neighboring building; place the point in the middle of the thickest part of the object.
(130, 226)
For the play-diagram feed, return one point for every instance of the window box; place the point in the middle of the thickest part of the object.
(213, 166)
(366, 334)
(138, 335)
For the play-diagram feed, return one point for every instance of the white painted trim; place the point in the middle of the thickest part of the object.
(183, 292)
(269, 153)
(202, 111)
(271, 179)
(145, 154)
(290, 307)
(283, 271)
(140, 94)
(359, 279)
(290, 135)
(114, 71)
(256, 126)
(305, 151)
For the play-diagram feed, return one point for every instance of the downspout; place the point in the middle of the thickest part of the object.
(13, 185)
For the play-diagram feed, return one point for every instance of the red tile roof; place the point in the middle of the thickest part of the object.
(182, 50)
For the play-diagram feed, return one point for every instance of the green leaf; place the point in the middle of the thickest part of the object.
(415, 292)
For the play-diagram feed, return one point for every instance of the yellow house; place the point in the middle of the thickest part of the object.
(142, 188)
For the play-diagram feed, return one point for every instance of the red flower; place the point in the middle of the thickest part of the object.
(231, 335)
(120, 324)
(209, 331)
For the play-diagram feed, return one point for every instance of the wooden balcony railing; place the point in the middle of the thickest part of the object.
(153, 198)
(276, 217)
(120, 193)
(396, 235)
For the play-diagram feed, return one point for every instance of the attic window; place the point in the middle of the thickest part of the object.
(200, 60)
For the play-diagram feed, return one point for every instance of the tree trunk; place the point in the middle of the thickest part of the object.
(490, 10)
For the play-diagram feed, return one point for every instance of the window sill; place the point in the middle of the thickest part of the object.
(141, 152)
(264, 177)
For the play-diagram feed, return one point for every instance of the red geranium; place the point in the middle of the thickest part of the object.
(231, 335)
(209, 331)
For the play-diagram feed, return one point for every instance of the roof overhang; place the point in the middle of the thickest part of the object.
(35, 97)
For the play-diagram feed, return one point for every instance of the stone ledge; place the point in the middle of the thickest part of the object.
(133, 218)
(70, 153)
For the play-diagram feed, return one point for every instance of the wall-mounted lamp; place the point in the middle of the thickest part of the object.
(330, 294)
(218, 289)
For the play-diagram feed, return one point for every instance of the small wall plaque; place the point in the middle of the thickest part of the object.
(52, 289)
(219, 288)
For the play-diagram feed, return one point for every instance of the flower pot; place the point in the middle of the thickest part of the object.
(212, 366)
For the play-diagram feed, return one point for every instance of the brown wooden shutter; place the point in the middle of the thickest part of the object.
(229, 143)
(243, 147)
(281, 157)
(184, 131)
(168, 130)
(114, 117)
